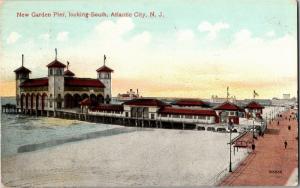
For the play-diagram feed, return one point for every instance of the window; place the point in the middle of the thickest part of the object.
(188, 117)
(51, 102)
(126, 114)
(232, 113)
(152, 116)
(201, 117)
(164, 115)
(50, 71)
(176, 116)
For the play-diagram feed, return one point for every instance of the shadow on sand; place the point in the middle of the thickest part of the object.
(51, 143)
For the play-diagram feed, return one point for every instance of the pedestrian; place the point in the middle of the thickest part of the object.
(253, 147)
(289, 127)
(277, 122)
(285, 144)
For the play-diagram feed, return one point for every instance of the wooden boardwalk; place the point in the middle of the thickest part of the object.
(270, 163)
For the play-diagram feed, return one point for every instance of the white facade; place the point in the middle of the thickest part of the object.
(56, 87)
(105, 78)
(187, 118)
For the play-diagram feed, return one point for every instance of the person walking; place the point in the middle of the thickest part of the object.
(289, 127)
(285, 144)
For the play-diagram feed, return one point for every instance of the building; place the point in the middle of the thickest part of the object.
(191, 103)
(228, 111)
(128, 96)
(286, 96)
(253, 109)
(60, 89)
(216, 99)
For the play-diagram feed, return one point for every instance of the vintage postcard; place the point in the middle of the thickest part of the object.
(125, 93)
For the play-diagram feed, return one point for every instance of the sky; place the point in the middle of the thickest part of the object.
(195, 50)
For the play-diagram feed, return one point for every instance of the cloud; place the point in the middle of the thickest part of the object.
(212, 29)
(45, 36)
(185, 35)
(270, 34)
(13, 37)
(111, 29)
(62, 36)
(143, 38)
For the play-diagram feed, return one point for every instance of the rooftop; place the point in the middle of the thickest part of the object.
(172, 110)
(56, 64)
(145, 102)
(228, 106)
(104, 69)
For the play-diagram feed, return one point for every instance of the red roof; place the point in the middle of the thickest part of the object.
(74, 82)
(85, 102)
(228, 106)
(254, 105)
(38, 82)
(104, 69)
(83, 82)
(56, 64)
(145, 102)
(171, 110)
(68, 73)
(22, 70)
(191, 102)
(108, 107)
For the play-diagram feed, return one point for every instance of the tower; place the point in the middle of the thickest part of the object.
(56, 83)
(68, 73)
(22, 74)
(104, 75)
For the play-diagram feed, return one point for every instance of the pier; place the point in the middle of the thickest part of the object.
(105, 119)
(9, 109)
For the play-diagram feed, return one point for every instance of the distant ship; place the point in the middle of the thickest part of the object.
(129, 95)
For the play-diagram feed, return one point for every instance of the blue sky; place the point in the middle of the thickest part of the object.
(214, 43)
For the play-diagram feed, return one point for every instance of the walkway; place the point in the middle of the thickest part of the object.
(270, 163)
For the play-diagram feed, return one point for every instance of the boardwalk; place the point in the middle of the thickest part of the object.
(271, 163)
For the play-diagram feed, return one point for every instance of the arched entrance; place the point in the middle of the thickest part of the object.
(27, 100)
(22, 101)
(93, 99)
(59, 101)
(84, 96)
(37, 101)
(107, 99)
(32, 100)
(100, 99)
(76, 100)
(133, 112)
(68, 101)
(44, 100)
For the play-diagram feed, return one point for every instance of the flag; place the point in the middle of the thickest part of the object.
(228, 92)
(255, 94)
(68, 65)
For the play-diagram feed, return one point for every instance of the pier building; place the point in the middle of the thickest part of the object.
(60, 89)
(62, 94)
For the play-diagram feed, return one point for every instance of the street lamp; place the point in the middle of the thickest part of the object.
(230, 127)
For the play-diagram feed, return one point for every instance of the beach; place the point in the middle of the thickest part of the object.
(140, 156)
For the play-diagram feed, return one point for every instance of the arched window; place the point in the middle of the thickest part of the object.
(51, 101)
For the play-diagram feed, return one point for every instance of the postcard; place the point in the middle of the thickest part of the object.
(148, 93)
